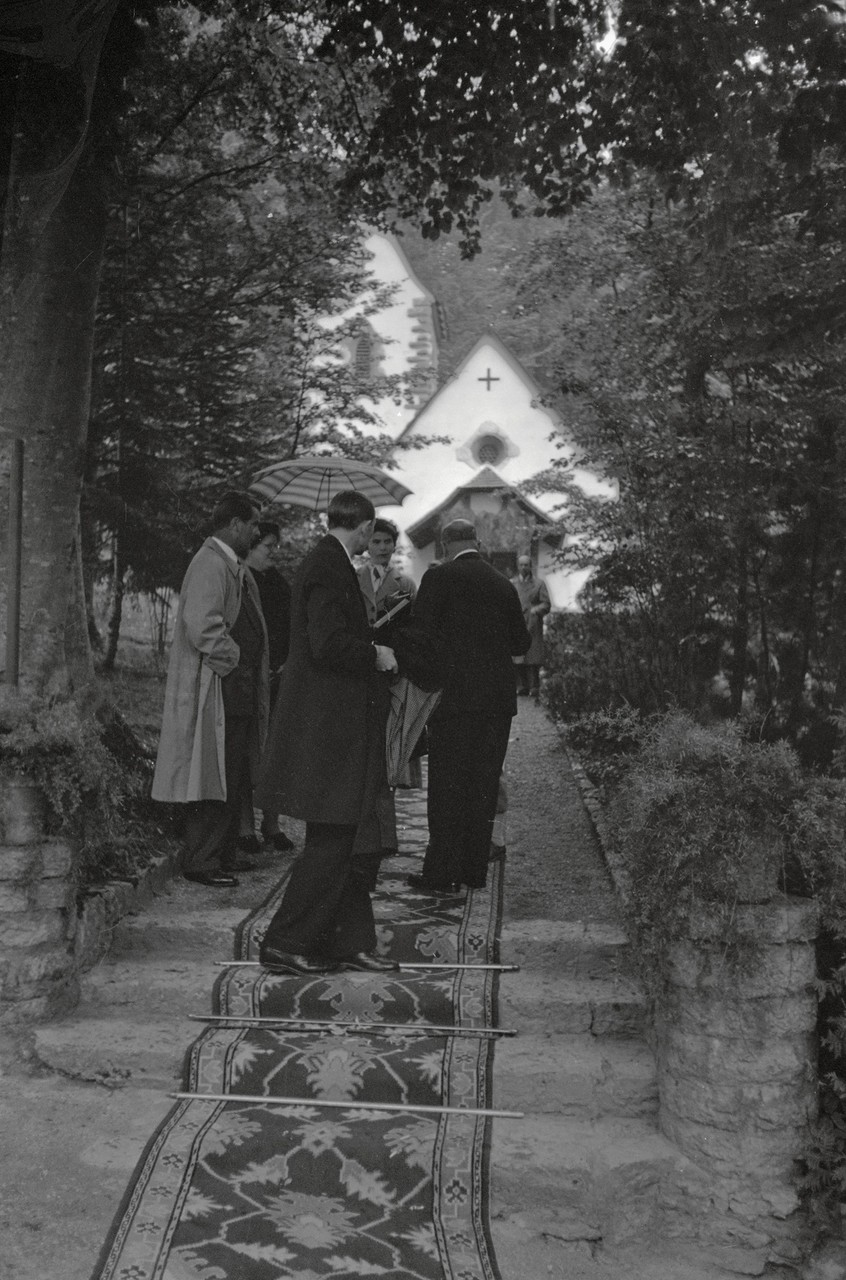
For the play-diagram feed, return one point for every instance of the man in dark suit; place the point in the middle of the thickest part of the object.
(476, 613)
(325, 756)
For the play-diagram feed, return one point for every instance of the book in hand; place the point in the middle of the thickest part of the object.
(401, 603)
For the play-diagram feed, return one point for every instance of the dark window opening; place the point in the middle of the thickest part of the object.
(490, 450)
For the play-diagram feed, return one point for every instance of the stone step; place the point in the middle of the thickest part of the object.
(178, 933)
(575, 1075)
(116, 1052)
(540, 1002)
(570, 948)
(154, 986)
(604, 1174)
(564, 1247)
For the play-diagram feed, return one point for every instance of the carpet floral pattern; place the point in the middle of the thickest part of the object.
(240, 1181)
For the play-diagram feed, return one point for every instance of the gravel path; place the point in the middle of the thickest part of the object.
(555, 867)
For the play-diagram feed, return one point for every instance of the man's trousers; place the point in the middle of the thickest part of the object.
(326, 909)
(211, 826)
(466, 754)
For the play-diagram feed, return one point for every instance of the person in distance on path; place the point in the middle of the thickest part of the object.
(476, 613)
(535, 603)
(325, 757)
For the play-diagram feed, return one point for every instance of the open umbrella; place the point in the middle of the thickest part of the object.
(314, 479)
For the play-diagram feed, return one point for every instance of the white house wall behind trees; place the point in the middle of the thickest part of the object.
(499, 434)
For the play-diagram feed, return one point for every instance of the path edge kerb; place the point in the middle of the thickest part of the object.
(616, 868)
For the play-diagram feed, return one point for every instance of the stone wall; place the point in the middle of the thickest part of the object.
(735, 1042)
(49, 935)
(38, 970)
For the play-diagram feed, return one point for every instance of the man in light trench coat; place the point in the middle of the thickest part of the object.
(216, 697)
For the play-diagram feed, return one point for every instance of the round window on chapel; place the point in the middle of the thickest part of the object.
(490, 450)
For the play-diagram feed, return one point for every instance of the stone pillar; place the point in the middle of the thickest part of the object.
(38, 972)
(736, 1049)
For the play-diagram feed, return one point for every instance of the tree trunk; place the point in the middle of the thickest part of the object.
(161, 614)
(809, 627)
(116, 612)
(78, 654)
(739, 634)
(48, 295)
(88, 555)
(766, 692)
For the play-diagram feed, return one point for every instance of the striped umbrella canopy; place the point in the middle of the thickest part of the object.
(314, 479)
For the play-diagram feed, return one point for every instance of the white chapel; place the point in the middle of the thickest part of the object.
(494, 434)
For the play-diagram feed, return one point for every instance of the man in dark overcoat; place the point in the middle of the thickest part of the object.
(275, 594)
(325, 756)
(476, 613)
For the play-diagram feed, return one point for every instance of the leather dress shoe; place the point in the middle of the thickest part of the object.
(218, 879)
(248, 844)
(279, 841)
(288, 962)
(449, 888)
(368, 962)
(239, 864)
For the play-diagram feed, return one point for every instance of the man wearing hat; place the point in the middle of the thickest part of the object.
(477, 615)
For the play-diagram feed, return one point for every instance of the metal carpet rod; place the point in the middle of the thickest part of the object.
(410, 964)
(317, 1024)
(346, 1105)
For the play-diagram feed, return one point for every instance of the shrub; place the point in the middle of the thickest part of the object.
(93, 773)
(61, 748)
(605, 742)
(607, 658)
(698, 809)
(699, 814)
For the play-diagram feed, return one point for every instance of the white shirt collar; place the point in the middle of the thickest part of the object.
(225, 547)
(471, 551)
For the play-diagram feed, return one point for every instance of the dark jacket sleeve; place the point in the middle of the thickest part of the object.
(334, 642)
(517, 630)
(428, 603)
(275, 594)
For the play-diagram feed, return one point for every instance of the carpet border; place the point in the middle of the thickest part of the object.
(497, 904)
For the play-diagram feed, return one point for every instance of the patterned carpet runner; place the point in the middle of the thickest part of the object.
(260, 1190)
